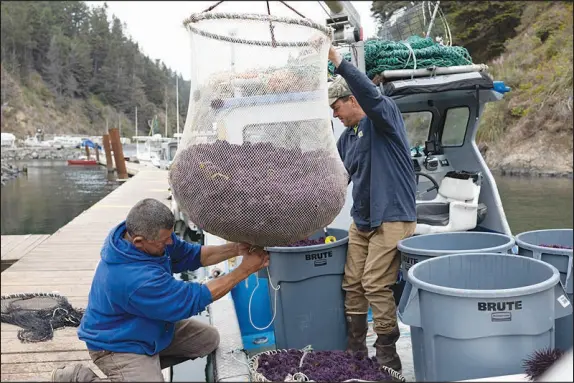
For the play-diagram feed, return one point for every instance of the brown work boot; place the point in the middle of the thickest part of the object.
(357, 327)
(387, 350)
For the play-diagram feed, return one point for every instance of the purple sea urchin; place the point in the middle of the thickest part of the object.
(557, 246)
(540, 361)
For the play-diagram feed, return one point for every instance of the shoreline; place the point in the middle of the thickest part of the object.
(42, 153)
(530, 173)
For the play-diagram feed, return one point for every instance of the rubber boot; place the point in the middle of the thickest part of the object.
(387, 350)
(357, 327)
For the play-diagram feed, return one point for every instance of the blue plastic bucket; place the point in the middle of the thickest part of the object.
(260, 305)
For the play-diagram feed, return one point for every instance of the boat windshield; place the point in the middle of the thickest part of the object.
(417, 125)
(172, 151)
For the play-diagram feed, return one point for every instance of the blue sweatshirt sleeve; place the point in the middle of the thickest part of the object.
(382, 110)
(184, 255)
(165, 298)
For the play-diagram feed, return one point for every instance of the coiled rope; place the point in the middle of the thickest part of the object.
(415, 52)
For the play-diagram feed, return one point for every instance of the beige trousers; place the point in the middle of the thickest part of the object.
(192, 339)
(371, 269)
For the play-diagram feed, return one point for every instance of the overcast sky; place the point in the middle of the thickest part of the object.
(158, 25)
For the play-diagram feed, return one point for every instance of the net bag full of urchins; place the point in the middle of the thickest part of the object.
(257, 161)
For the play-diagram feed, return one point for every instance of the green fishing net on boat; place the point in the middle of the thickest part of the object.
(382, 55)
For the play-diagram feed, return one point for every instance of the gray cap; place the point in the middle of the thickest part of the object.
(338, 88)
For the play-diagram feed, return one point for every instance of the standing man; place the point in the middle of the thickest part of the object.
(137, 321)
(376, 153)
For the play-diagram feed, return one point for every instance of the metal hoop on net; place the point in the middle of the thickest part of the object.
(197, 17)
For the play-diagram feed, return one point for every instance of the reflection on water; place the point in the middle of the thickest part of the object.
(51, 195)
(536, 203)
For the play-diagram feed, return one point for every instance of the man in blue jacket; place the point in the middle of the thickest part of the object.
(137, 318)
(376, 153)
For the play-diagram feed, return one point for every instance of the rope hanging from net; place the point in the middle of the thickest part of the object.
(39, 314)
(382, 55)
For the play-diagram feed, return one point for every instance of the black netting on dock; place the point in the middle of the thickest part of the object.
(39, 314)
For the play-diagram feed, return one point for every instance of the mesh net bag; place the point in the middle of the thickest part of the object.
(39, 315)
(257, 161)
(306, 365)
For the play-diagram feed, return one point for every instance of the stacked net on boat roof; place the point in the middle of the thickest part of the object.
(416, 36)
(413, 53)
(258, 161)
(39, 314)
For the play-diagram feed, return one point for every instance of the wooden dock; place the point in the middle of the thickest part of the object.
(15, 247)
(65, 263)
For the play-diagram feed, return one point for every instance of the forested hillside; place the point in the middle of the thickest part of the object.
(528, 44)
(69, 68)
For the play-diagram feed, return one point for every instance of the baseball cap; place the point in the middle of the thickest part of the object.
(338, 88)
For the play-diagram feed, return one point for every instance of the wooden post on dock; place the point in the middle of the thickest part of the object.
(118, 153)
(97, 154)
(108, 151)
(87, 152)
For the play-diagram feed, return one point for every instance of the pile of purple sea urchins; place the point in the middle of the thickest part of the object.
(308, 242)
(557, 246)
(258, 193)
(321, 366)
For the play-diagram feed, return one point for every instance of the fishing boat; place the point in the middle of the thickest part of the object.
(82, 161)
(441, 109)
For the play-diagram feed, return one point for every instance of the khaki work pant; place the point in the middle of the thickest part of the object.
(371, 269)
(192, 339)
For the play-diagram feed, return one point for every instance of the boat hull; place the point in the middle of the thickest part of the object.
(82, 162)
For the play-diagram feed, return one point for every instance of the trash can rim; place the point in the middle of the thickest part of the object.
(305, 249)
(413, 250)
(529, 246)
(498, 293)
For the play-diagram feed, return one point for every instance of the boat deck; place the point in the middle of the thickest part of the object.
(65, 263)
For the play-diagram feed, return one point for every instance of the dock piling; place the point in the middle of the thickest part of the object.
(118, 153)
(108, 151)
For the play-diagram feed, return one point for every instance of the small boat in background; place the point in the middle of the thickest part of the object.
(82, 162)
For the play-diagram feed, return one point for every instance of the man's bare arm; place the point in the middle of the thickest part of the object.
(222, 285)
(212, 255)
(252, 262)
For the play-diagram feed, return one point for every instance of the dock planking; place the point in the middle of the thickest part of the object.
(65, 263)
(15, 247)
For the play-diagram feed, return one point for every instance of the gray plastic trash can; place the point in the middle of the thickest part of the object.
(421, 247)
(478, 315)
(529, 245)
(310, 299)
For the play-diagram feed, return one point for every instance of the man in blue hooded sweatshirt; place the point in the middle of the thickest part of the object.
(137, 318)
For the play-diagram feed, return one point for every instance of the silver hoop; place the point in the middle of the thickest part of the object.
(197, 17)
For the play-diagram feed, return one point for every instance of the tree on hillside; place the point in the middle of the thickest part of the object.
(53, 69)
(81, 54)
